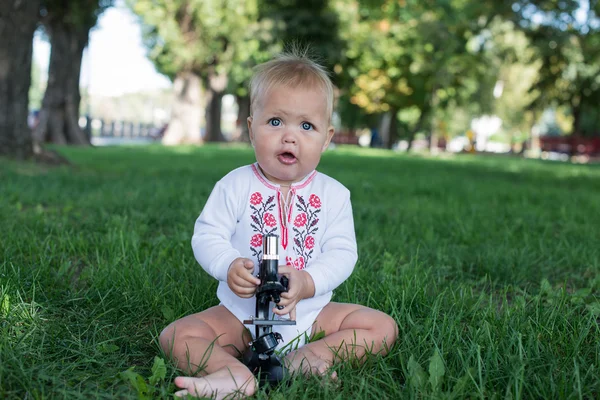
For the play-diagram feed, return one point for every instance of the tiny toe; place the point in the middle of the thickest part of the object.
(181, 393)
(180, 381)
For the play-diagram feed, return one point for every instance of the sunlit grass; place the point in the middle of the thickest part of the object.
(490, 266)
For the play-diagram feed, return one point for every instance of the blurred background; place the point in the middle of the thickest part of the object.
(513, 77)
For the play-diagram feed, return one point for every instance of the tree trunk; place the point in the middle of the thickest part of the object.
(576, 111)
(241, 126)
(384, 130)
(186, 115)
(433, 142)
(214, 95)
(393, 134)
(533, 139)
(59, 116)
(411, 139)
(433, 138)
(413, 132)
(18, 20)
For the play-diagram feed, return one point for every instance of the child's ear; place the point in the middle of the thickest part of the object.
(330, 133)
(250, 133)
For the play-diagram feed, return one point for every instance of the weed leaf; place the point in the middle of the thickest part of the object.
(4, 305)
(594, 308)
(159, 371)
(167, 312)
(137, 381)
(416, 375)
(546, 287)
(436, 371)
(108, 348)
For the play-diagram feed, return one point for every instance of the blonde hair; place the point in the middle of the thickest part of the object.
(291, 69)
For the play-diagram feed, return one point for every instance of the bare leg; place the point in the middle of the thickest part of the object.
(206, 345)
(351, 331)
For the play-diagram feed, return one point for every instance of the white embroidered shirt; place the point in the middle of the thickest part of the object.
(315, 228)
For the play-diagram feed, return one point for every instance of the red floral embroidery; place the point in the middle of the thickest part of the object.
(300, 220)
(256, 240)
(298, 263)
(256, 198)
(269, 220)
(306, 226)
(263, 221)
(309, 243)
(314, 201)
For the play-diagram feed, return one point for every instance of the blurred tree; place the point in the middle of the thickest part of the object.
(260, 46)
(194, 42)
(283, 25)
(352, 117)
(67, 24)
(566, 38)
(413, 55)
(18, 20)
(513, 69)
(306, 24)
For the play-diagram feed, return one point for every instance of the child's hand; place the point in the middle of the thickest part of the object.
(240, 279)
(301, 286)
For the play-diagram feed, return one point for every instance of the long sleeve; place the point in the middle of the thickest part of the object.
(214, 227)
(339, 254)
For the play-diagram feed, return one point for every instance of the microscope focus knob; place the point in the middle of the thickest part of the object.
(285, 282)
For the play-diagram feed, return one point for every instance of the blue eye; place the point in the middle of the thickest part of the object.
(275, 122)
(307, 126)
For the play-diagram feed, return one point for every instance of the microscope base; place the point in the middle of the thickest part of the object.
(269, 371)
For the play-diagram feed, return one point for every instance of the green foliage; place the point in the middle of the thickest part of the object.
(313, 24)
(281, 25)
(413, 54)
(512, 71)
(566, 39)
(197, 36)
(81, 15)
(443, 56)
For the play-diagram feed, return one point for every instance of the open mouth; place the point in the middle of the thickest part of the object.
(287, 158)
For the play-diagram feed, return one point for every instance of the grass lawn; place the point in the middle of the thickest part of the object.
(490, 266)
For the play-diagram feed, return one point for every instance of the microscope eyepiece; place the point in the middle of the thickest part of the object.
(270, 247)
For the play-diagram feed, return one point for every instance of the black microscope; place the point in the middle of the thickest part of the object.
(260, 357)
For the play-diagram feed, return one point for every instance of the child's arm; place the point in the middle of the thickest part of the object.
(214, 227)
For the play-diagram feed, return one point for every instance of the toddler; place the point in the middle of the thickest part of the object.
(282, 193)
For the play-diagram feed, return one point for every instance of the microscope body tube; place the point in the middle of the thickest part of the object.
(270, 260)
(268, 279)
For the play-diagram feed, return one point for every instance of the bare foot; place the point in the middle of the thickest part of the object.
(226, 382)
(308, 363)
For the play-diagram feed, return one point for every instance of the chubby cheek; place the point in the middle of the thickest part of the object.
(264, 157)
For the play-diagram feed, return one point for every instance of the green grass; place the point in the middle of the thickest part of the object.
(490, 266)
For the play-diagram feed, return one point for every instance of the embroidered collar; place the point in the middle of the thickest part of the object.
(275, 186)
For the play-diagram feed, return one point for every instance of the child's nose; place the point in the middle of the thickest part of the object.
(289, 136)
